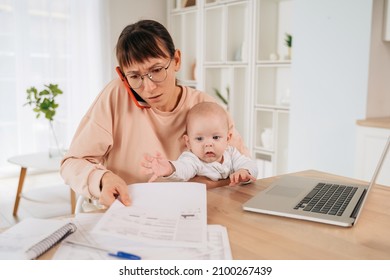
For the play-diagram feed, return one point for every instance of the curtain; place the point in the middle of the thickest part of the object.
(64, 42)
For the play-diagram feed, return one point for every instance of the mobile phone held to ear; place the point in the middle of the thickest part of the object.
(134, 96)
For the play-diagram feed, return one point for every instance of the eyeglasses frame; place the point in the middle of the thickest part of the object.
(150, 76)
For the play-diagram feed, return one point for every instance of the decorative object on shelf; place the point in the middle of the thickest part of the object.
(288, 43)
(241, 53)
(189, 3)
(285, 100)
(273, 56)
(225, 100)
(44, 104)
(193, 71)
(267, 138)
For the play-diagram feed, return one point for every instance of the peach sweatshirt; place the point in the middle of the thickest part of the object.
(115, 134)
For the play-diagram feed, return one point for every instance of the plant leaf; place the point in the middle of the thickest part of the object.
(43, 102)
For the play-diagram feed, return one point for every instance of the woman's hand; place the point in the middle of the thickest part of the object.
(112, 187)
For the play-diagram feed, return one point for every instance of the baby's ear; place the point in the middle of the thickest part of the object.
(229, 136)
(187, 141)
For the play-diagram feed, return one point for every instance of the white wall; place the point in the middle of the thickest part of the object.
(124, 12)
(378, 101)
(330, 76)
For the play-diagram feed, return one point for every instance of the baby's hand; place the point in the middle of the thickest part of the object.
(156, 165)
(240, 176)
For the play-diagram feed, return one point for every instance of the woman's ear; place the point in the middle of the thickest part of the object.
(177, 59)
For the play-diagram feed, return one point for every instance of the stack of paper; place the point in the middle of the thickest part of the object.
(165, 221)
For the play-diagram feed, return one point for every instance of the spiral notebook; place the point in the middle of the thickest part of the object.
(32, 237)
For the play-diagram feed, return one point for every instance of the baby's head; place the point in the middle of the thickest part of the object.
(207, 133)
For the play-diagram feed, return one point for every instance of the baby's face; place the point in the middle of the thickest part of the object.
(208, 139)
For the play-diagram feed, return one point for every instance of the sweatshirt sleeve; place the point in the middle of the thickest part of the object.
(84, 164)
(82, 167)
(187, 166)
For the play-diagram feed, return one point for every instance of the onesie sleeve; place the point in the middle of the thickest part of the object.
(187, 166)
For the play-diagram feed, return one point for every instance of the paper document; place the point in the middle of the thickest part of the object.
(218, 247)
(164, 214)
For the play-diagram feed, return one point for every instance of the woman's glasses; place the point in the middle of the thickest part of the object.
(156, 75)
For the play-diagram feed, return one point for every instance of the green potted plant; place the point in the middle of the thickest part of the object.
(288, 43)
(44, 104)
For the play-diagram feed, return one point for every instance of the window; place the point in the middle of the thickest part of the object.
(41, 42)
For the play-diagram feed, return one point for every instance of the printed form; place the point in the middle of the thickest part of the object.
(163, 214)
(84, 245)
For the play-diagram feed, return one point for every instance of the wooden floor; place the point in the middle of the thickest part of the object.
(46, 196)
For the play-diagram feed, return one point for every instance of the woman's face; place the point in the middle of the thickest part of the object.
(162, 95)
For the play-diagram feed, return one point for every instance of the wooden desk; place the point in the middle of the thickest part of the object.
(40, 161)
(259, 236)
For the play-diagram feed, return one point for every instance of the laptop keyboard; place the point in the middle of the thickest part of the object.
(328, 199)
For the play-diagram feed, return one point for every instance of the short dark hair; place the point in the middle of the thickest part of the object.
(143, 40)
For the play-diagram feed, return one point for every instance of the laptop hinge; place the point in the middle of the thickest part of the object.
(358, 205)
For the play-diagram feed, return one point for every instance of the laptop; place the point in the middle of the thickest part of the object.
(315, 199)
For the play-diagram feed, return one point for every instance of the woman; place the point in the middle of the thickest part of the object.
(109, 144)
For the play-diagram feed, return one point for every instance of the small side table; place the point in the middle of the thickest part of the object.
(40, 161)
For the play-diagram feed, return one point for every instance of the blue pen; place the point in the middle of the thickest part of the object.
(119, 254)
(124, 255)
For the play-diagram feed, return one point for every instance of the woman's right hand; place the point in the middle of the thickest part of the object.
(113, 187)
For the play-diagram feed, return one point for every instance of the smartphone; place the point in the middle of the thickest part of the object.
(133, 94)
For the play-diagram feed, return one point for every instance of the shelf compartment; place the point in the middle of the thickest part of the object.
(281, 160)
(265, 129)
(264, 163)
(214, 37)
(225, 33)
(273, 84)
(179, 5)
(234, 78)
(274, 21)
(237, 43)
(182, 25)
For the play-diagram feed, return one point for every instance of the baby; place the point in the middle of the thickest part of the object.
(209, 153)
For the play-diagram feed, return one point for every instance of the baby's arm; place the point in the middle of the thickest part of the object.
(157, 166)
(240, 176)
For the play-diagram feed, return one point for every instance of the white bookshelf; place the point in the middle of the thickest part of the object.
(239, 45)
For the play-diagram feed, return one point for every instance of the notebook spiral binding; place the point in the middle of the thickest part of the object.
(50, 241)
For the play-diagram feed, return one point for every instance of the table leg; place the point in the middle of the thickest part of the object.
(72, 200)
(22, 176)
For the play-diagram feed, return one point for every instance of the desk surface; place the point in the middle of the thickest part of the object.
(260, 236)
(375, 122)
